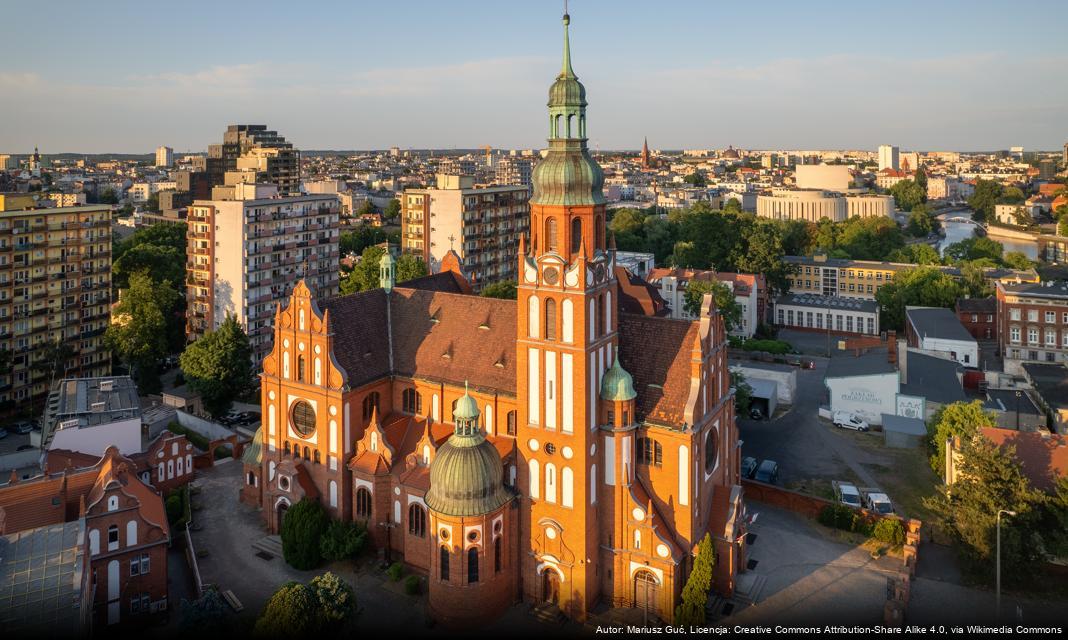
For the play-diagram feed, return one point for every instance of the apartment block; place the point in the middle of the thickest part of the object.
(750, 293)
(482, 224)
(1032, 322)
(826, 276)
(512, 171)
(246, 254)
(55, 287)
(252, 153)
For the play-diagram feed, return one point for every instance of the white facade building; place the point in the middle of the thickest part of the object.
(889, 157)
(164, 157)
(784, 204)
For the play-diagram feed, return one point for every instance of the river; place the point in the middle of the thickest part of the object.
(958, 231)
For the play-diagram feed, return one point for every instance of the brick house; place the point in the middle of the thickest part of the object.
(978, 315)
(127, 534)
(550, 449)
(1032, 321)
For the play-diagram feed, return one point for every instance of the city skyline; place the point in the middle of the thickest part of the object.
(941, 77)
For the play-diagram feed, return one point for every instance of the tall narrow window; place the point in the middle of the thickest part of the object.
(412, 401)
(511, 422)
(363, 502)
(497, 554)
(370, 403)
(604, 320)
(444, 564)
(550, 319)
(472, 565)
(550, 234)
(576, 235)
(300, 368)
(416, 520)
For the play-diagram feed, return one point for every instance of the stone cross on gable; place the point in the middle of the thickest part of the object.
(451, 239)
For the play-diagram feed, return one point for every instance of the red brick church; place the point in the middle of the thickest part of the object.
(548, 449)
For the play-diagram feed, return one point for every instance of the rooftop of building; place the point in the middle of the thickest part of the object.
(1007, 400)
(932, 377)
(977, 305)
(936, 322)
(820, 260)
(871, 363)
(1043, 456)
(1050, 381)
(42, 573)
(94, 400)
(1048, 289)
(827, 302)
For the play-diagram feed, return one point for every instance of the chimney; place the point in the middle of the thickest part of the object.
(891, 346)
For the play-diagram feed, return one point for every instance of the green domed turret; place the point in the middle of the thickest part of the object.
(617, 385)
(466, 478)
(567, 175)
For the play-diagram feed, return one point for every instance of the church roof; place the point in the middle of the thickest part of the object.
(657, 352)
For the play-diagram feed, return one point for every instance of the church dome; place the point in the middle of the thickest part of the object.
(568, 177)
(466, 478)
(617, 385)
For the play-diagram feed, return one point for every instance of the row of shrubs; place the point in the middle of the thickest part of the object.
(178, 507)
(199, 441)
(887, 530)
(411, 583)
(309, 536)
(775, 347)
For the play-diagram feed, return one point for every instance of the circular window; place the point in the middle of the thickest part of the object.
(283, 483)
(444, 534)
(711, 451)
(551, 275)
(472, 536)
(550, 448)
(303, 419)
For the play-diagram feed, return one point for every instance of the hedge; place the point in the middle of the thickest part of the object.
(890, 531)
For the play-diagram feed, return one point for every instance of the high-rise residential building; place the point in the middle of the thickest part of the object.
(252, 153)
(164, 157)
(246, 254)
(482, 224)
(515, 171)
(889, 157)
(55, 288)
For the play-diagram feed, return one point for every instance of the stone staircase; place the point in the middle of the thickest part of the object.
(548, 613)
(269, 544)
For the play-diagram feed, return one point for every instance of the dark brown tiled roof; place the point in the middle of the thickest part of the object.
(657, 352)
(444, 281)
(1043, 457)
(361, 340)
(638, 296)
(454, 338)
(978, 305)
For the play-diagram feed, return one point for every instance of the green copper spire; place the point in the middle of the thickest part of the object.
(567, 175)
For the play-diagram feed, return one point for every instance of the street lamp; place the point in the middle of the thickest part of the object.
(1018, 394)
(998, 578)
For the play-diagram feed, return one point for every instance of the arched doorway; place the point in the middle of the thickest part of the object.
(646, 591)
(283, 506)
(550, 589)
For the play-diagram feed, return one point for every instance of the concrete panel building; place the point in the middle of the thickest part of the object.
(830, 177)
(889, 157)
(164, 157)
(785, 204)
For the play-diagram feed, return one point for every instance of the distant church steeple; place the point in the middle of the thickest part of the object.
(646, 164)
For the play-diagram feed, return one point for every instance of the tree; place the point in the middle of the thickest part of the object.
(505, 290)
(160, 262)
(292, 612)
(960, 419)
(108, 196)
(732, 206)
(364, 276)
(983, 199)
(207, 614)
(695, 178)
(908, 194)
(975, 249)
(138, 332)
(360, 238)
(722, 297)
(743, 393)
(392, 211)
(923, 286)
(218, 366)
(1062, 225)
(304, 525)
(1017, 260)
(336, 599)
(152, 203)
(869, 238)
(763, 251)
(53, 359)
(920, 178)
(973, 280)
(366, 208)
(691, 609)
(409, 267)
(917, 253)
(342, 540)
(922, 221)
(989, 478)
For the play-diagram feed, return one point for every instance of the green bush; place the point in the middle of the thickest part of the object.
(861, 525)
(174, 508)
(836, 516)
(302, 529)
(771, 346)
(395, 571)
(691, 610)
(890, 531)
(411, 585)
(342, 540)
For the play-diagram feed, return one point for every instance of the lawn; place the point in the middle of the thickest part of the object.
(907, 481)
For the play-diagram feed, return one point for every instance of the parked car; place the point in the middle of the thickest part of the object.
(768, 471)
(749, 465)
(846, 420)
(794, 360)
(22, 427)
(847, 493)
(3, 433)
(755, 413)
(874, 499)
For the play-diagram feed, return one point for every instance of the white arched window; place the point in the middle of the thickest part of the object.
(333, 436)
(684, 475)
(302, 319)
(593, 484)
(131, 533)
(170, 469)
(94, 542)
(270, 471)
(489, 419)
(535, 480)
(181, 465)
(318, 371)
(637, 539)
(285, 365)
(550, 482)
(567, 487)
(533, 316)
(271, 421)
(567, 311)
(608, 311)
(593, 319)
(374, 442)
(333, 493)
(159, 472)
(113, 503)
(426, 455)
(434, 407)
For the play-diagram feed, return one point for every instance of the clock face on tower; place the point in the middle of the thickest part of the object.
(551, 275)
(598, 273)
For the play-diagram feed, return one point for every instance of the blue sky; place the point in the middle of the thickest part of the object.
(119, 76)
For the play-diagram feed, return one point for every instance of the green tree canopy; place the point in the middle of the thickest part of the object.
(337, 601)
(360, 237)
(505, 290)
(1017, 260)
(983, 199)
(922, 286)
(160, 262)
(722, 296)
(409, 267)
(138, 333)
(917, 253)
(364, 276)
(743, 393)
(366, 208)
(691, 608)
(218, 366)
(908, 194)
(302, 528)
(975, 249)
(292, 612)
(392, 210)
(960, 419)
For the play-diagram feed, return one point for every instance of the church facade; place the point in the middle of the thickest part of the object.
(549, 449)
